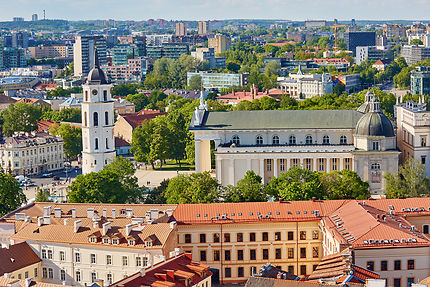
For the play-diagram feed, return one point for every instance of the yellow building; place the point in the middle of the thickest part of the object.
(235, 239)
(19, 261)
(220, 43)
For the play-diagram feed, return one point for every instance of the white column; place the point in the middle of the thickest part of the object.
(315, 160)
(328, 165)
(262, 168)
(197, 155)
(341, 164)
(218, 168)
(287, 163)
(231, 172)
(276, 168)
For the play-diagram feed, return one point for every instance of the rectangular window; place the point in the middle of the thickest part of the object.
(62, 256)
(384, 265)
(187, 238)
(216, 255)
(227, 255)
(397, 282)
(291, 269)
(49, 254)
(303, 252)
(397, 265)
(108, 259)
(423, 159)
(93, 259)
(202, 255)
(265, 253)
(35, 272)
(269, 164)
(302, 269)
(252, 236)
(265, 236)
(62, 275)
(227, 272)
(124, 261)
(315, 234)
(44, 254)
(239, 255)
(315, 252)
(302, 235)
(93, 277)
(78, 276)
(375, 145)
(202, 238)
(282, 164)
(278, 236)
(370, 265)
(50, 273)
(411, 264)
(77, 257)
(290, 253)
(410, 281)
(290, 235)
(26, 274)
(252, 254)
(240, 237)
(334, 164)
(347, 164)
(240, 272)
(295, 162)
(109, 278)
(423, 141)
(308, 163)
(138, 261)
(253, 270)
(321, 165)
(278, 253)
(226, 237)
(44, 272)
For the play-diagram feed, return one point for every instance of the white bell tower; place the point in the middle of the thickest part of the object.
(97, 121)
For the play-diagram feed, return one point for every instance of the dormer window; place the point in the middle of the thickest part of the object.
(375, 145)
(115, 241)
(93, 239)
(148, 243)
(106, 240)
(132, 242)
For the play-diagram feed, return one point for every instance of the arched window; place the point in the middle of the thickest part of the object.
(86, 96)
(96, 142)
(236, 140)
(326, 140)
(259, 140)
(106, 118)
(292, 140)
(85, 119)
(343, 140)
(275, 140)
(309, 140)
(375, 166)
(105, 96)
(107, 143)
(96, 119)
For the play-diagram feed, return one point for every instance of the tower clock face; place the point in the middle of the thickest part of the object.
(94, 92)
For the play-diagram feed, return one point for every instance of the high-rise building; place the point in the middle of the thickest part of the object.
(220, 43)
(414, 54)
(97, 121)
(18, 19)
(203, 27)
(34, 17)
(1, 53)
(355, 39)
(20, 40)
(83, 53)
(420, 81)
(373, 53)
(181, 29)
(14, 58)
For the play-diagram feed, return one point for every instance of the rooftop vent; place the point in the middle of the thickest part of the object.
(76, 225)
(57, 212)
(73, 212)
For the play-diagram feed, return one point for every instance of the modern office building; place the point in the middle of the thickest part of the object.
(208, 54)
(356, 39)
(203, 28)
(168, 50)
(220, 43)
(31, 154)
(394, 30)
(413, 131)
(120, 54)
(414, 54)
(83, 53)
(55, 51)
(14, 58)
(34, 17)
(315, 23)
(181, 29)
(20, 40)
(420, 81)
(218, 81)
(373, 53)
(156, 39)
(18, 19)
(271, 142)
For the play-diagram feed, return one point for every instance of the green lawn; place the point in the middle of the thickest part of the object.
(172, 165)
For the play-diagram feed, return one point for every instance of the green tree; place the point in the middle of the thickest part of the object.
(123, 90)
(417, 42)
(338, 89)
(141, 142)
(139, 100)
(42, 195)
(72, 138)
(11, 195)
(193, 188)
(157, 194)
(247, 189)
(344, 184)
(125, 170)
(195, 82)
(177, 134)
(296, 184)
(273, 68)
(160, 145)
(20, 117)
(410, 181)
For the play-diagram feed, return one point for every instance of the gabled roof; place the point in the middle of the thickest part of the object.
(6, 100)
(22, 283)
(17, 257)
(137, 119)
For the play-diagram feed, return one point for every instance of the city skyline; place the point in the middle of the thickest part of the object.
(218, 9)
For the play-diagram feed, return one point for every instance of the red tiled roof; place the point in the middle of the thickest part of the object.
(168, 273)
(137, 119)
(27, 100)
(6, 100)
(44, 126)
(119, 142)
(17, 257)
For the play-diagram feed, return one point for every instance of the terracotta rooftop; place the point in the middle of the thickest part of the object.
(44, 126)
(171, 272)
(6, 100)
(137, 119)
(22, 283)
(119, 142)
(16, 257)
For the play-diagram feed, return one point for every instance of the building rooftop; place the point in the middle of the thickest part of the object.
(26, 283)
(16, 257)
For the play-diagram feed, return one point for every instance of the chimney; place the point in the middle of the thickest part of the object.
(39, 221)
(128, 228)
(57, 212)
(90, 212)
(28, 282)
(27, 219)
(73, 212)
(172, 225)
(66, 220)
(129, 213)
(113, 213)
(154, 214)
(314, 199)
(46, 210)
(19, 216)
(95, 224)
(105, 212)
(168, 212)
(76, 225)
(106, 227)
(47, 220)
(142, 272)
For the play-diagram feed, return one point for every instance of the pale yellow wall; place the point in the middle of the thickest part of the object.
(246, 228)
(21, 273)
(123, 129)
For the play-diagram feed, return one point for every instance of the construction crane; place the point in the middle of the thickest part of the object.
(336, 26)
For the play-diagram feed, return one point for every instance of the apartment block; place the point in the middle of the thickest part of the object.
(83, 53)
(220, 43)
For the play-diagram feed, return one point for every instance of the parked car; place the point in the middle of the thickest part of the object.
(47, 174)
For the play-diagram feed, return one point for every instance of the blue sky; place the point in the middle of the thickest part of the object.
(217, 9)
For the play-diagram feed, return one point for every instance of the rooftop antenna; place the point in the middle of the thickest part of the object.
(44, 14)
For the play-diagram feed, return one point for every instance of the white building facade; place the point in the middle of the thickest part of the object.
(97, 122)
(271, 142)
